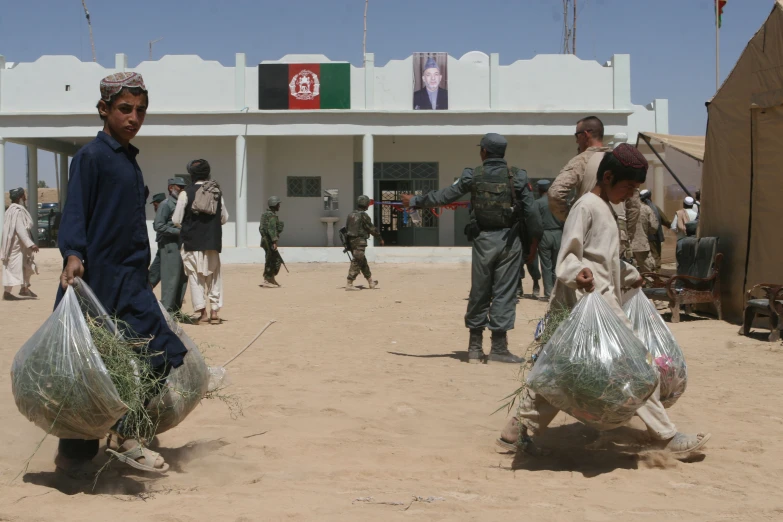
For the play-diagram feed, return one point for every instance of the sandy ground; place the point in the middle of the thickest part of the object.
(355, 403)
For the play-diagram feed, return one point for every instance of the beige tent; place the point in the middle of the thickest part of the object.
(743, 167)
(692, 146)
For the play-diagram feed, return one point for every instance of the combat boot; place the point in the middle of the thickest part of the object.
(349, 285)
(536, 289)
(475, 348)
(372, 284)
(271, 280)
(499, 352)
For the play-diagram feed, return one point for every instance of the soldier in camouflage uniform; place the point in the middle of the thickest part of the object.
(589, 139)
(359, 228)
(502, 203)
(271, 227)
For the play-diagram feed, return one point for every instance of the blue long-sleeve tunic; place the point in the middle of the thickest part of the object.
(104, 225)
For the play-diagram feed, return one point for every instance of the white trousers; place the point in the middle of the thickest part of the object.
(204, 279)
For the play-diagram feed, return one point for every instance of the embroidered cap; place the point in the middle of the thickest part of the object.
(114, 83)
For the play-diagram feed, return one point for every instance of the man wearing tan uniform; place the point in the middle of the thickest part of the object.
(589, 139)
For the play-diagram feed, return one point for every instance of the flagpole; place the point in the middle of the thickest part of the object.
(717, 45)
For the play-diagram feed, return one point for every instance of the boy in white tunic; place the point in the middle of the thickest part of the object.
(589, 261)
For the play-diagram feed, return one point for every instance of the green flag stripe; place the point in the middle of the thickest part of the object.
(335, 86)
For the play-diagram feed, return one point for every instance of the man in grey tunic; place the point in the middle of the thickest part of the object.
(502, 203)
(172, 273)
(550, 240)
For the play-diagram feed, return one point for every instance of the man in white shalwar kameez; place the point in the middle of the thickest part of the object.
(589, 261)
(18, 249)
(201, 246)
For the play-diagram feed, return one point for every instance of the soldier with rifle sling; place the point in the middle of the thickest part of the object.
(271, 227)
(358, 229)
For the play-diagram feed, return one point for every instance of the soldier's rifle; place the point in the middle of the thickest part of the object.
(346, 242)
(277, 251)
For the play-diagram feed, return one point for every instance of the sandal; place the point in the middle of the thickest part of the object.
(682, 443)
(138, 457)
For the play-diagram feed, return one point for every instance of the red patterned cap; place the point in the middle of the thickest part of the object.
(630, 156)
(114, 83)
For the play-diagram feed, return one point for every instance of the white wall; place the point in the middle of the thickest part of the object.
(544, 83)
(186, 82)
(329, 157)
(556, 81)
(40, 86)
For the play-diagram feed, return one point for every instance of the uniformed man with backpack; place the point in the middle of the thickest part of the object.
(358, 229)
(502, 203)
(271, 227)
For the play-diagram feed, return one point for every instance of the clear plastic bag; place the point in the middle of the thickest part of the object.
(594, 368)
(185, 385)
(58, 379)
(650, 328)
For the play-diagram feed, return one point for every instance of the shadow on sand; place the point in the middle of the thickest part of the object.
(120, 479)
(460, 356)
(580, 449)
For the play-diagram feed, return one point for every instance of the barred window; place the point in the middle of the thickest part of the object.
(304, 186)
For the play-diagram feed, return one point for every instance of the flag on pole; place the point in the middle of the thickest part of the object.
(720, 5)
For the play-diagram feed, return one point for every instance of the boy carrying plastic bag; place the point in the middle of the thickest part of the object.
(589, 261)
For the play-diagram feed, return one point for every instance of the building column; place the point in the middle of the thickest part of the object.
(63, 158)
(368, 186)
(241, 192)
(2, 179)
(657, 192)
(32, 186)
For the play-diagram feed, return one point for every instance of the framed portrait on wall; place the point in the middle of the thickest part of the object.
(430, 81)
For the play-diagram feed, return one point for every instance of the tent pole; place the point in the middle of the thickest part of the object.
(647, 141)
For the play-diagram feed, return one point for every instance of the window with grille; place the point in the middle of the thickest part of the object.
(304, 186)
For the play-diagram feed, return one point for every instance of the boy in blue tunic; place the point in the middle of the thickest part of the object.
(103, 239)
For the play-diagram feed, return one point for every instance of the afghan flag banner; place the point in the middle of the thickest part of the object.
(720, 4)
(283, 86)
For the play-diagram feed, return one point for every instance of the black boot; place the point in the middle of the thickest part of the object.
(475, 348)
(536, 289)
(499, 352)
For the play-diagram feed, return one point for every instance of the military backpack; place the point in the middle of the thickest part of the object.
(493, 199)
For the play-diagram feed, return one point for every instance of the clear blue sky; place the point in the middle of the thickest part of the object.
(671, 42)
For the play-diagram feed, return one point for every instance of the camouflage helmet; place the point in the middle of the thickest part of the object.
(363, 201)
(273, 201)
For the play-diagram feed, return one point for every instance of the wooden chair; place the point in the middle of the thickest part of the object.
(771, 306)
(697, 279)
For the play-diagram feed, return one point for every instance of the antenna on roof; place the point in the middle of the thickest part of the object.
(89, 24)
(154, 42)
(364, 41)
(569, 30)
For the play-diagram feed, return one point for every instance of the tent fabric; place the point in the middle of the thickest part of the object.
(692, 146)
(742, 180)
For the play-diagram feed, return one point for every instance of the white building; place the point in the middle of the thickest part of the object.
(380, 146)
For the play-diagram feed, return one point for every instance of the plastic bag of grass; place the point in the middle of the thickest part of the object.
(649, 327)
(594, 367)
(59, 380)
(185, 385)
